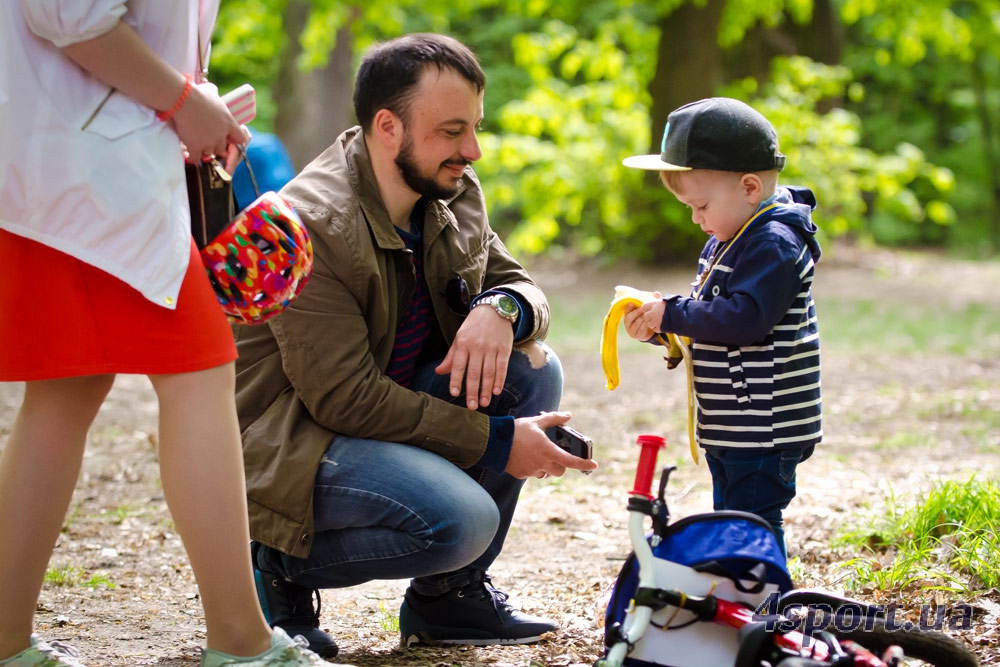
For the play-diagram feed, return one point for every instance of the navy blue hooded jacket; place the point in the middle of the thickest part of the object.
(755, 340)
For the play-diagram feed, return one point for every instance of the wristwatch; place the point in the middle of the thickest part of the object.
(504, 304)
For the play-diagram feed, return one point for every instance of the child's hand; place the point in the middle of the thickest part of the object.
(643, 322)
(639, 324)
(651, 313)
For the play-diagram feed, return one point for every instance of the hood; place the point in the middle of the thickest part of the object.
(794, 208)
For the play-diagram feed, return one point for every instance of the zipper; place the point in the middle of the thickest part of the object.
(100, 106)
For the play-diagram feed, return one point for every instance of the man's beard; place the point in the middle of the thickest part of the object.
(422, 185)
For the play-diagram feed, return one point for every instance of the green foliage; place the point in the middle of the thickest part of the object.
(555, 178)
(851, 182)
(246, 48)
(738, 17)
(930, 70)
(891, 141)
(946, 540)
(553, 171)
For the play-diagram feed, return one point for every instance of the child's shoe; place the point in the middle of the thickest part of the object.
(41, 654)
(284, 652)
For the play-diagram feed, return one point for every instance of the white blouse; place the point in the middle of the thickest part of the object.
(83, 168)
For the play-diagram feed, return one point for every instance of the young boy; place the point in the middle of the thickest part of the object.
(750, 315)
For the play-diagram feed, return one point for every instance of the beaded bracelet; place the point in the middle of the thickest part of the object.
(167, 115)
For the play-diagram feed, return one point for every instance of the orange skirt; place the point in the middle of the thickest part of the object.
(60, 317)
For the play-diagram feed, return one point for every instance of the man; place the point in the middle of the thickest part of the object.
(391, 415)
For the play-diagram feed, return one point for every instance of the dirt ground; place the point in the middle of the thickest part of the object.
(123, 593)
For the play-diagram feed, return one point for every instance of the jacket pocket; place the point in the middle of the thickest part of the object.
(117, 116)
(738, 378)
(472, 269)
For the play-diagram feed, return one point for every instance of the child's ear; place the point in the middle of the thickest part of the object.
(752, 187)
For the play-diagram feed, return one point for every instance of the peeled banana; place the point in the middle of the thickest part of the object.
(678, 348)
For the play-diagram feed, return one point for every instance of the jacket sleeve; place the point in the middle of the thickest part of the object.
(341, 385)
(764, 281)
(65, 22)
(503, 272)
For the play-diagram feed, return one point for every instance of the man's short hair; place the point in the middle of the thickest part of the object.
(390, 71)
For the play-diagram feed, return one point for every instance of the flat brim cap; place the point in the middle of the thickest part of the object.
(652, 163)
(718, 133)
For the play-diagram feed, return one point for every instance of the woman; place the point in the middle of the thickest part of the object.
(100, 102)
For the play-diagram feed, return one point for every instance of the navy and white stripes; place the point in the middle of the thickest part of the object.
(755, 336)
(765, 395)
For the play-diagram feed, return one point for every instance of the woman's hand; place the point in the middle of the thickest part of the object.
(207, 128)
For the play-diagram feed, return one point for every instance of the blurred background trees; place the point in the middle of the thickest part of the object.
(887, 109)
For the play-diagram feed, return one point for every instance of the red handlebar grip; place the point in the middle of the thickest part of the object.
(651, 446)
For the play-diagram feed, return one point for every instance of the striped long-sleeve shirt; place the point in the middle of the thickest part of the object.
(755, 340)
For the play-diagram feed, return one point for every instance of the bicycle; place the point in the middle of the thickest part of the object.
(783, 639)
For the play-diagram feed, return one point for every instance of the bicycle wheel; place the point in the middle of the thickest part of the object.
(928, 646)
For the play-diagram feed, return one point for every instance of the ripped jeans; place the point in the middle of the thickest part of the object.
(383, 510)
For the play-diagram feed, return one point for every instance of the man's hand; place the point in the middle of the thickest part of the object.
(479, 355)
(534, 455)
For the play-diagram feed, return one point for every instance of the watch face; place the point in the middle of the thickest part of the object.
(507, 306)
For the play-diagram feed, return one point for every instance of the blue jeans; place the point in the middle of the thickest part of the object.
(385, 510)
(760, 481)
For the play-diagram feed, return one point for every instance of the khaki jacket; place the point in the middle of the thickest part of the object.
(318, 369)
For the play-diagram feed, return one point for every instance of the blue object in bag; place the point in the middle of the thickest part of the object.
(271, 165)
(734, 554)
(739, 545)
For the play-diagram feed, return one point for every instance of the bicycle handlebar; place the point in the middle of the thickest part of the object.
(651, 446)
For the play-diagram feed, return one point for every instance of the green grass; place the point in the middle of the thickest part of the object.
(968, 406)
(948, 540)
(70, 575)
(866, 326)
(847, 325)
(576, 324)
(119, 514)
(388, 619)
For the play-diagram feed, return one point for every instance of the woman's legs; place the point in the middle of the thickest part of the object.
(201, 466)
(38, 472)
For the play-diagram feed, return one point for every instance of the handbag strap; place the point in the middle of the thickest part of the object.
(246, 161)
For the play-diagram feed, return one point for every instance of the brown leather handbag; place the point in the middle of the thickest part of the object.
(213, 205)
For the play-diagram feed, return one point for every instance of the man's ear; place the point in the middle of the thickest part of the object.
(388, 130)
(752, 187)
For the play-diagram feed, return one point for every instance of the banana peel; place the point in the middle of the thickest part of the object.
(678, 349)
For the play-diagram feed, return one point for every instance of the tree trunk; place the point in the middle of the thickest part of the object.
(822, 40)
(689, 61)
(979, 86)
(315, 106)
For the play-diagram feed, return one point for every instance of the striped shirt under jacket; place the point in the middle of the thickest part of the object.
(755, 341)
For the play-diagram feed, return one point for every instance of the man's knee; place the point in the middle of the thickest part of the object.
(464, 535)
(537, 353)
(534, 379)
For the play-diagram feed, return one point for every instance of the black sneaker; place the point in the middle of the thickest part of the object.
(477, 614)
(290, 607)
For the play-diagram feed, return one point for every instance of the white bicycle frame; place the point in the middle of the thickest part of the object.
(637, 618)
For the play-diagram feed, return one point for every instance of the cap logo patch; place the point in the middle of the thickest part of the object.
(663, 144)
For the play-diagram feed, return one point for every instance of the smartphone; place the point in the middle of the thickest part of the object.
(242, 103)
(572, 441)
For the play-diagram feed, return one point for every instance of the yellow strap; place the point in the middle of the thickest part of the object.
(704, 277)
(676, 346)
